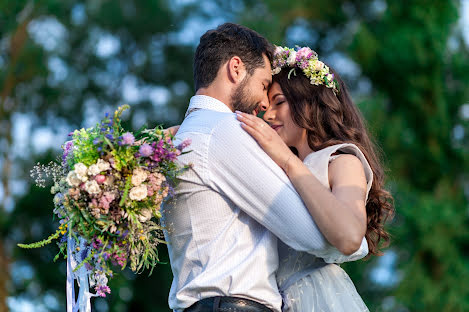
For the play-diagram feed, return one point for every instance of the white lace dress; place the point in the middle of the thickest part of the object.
(312, 284)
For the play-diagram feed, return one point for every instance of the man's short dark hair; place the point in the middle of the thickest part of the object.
(219, 45)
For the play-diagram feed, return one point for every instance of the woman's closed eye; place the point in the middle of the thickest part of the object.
(279, 102)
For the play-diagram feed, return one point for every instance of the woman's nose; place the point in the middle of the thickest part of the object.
(269, 114)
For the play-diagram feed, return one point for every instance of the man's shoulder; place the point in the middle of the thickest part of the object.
(205, 120)
(228, 129)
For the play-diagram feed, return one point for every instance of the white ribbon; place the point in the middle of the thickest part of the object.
(83, 303)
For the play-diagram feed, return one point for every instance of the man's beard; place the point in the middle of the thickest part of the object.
(241, 99)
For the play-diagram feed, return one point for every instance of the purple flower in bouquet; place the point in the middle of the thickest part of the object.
(101, 290)
(160, 153)
(127, 139)
(118, 259)
(184, 144)
(67, 149)
(172, 155)
(145, 150)
(97, 243)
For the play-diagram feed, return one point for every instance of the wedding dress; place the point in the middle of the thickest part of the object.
(308, 283)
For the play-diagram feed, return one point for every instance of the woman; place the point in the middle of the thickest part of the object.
(335, 170)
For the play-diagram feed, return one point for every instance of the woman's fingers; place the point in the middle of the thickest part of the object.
(257, 124)
(251, 131)
(267, 138)
(253, 127)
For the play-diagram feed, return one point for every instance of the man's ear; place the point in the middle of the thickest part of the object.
(236, 69)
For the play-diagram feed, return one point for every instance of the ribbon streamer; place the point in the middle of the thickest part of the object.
(83, 303)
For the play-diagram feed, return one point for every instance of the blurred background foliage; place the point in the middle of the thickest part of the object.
(63, 63)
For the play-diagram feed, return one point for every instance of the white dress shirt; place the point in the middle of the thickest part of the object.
(228, 211)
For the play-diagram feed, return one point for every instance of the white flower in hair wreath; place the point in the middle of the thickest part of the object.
(307, 60)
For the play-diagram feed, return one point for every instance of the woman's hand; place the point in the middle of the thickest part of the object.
(172, 130)
(267, 138)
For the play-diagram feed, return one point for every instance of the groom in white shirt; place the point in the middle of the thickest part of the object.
(230, 209)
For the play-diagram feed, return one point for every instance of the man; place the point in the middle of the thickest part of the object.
(229, 210)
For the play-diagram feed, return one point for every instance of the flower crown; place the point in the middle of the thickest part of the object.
(307, 60)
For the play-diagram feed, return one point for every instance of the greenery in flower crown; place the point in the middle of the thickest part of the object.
(108, 191)
(307, 60)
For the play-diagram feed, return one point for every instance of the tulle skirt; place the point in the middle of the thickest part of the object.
(324, 289)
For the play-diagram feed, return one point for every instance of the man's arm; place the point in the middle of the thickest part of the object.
(244, 173)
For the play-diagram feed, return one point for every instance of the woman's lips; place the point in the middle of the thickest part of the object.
(276, 127)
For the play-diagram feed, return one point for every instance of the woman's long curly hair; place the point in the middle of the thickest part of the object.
(331, 119)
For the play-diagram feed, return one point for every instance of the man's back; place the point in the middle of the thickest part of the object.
(216, 249)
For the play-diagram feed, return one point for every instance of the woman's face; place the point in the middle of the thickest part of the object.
(279, 118)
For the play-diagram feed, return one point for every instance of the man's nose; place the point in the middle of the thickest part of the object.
(264, 104)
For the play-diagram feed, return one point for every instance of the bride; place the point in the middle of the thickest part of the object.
(335, 169)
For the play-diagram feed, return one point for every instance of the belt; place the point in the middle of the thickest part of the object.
(227, 304)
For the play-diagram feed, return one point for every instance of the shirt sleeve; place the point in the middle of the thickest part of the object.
(243, 172)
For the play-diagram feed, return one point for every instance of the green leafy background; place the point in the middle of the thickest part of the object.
(63, 63)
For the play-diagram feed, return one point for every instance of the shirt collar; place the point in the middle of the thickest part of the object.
(207, 102)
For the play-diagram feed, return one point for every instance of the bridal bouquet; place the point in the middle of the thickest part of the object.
(108, 188)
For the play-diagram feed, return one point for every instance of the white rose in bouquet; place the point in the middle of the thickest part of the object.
(72, 179)
(92, 187)
(103, 165)
(138, 193)
(138, 176)
(145, 215)
(81, 171)
(94, 170)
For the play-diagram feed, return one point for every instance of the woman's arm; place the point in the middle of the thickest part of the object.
(340, 211)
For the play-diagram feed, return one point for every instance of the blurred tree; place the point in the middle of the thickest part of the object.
(64, 62)
(417, 62)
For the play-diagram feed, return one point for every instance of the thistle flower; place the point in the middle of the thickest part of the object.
(128, 138)
(145, 150)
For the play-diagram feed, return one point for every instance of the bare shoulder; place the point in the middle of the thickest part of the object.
(346, 168)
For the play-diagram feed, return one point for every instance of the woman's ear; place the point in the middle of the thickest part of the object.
(236, 70)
